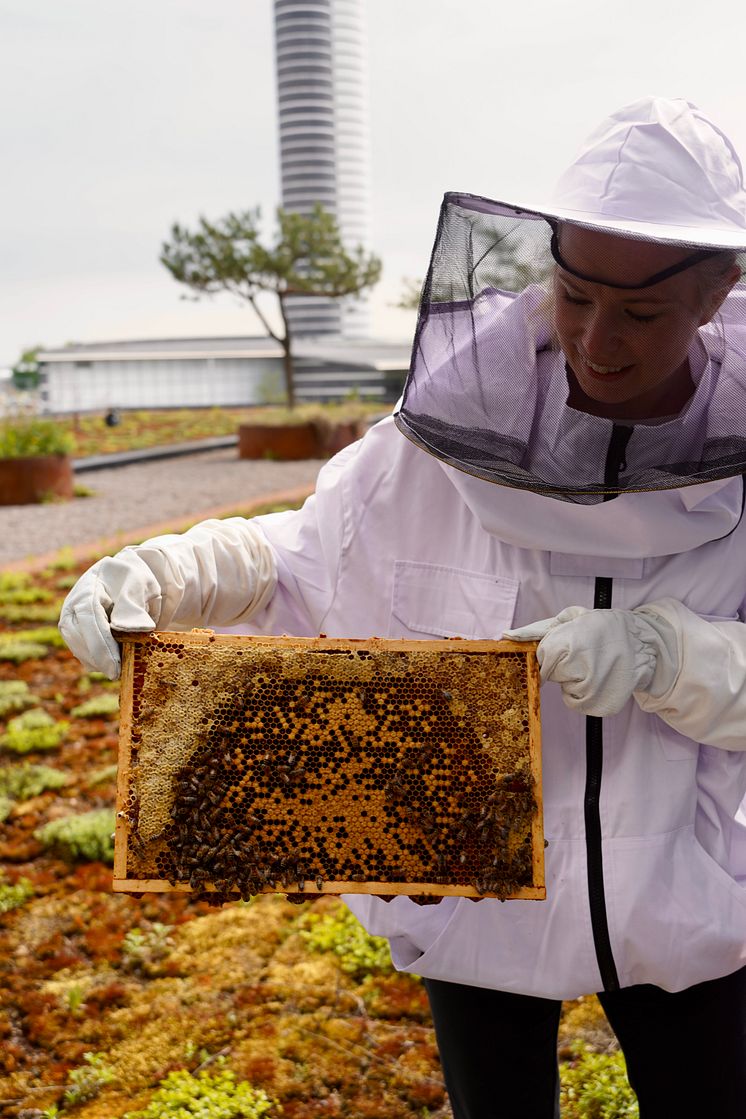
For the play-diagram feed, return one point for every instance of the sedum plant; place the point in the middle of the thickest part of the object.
(15, 697)
(143, 950)
(595, 1086)
(16, 588)
(42, 635)
(101, 706)
(16, 613)
(87, 837)
(20, 651)
(13, 896)
(86, 1082)
(359, 954)
(24, 433)
(21, 782)
(33, 730)
(206, 1096)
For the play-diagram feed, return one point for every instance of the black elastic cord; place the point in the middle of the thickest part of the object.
(688, 262)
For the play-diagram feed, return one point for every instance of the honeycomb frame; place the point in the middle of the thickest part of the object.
(306, 766)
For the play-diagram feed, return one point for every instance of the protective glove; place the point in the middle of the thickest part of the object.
(601, 657)
(705, 697)
(219, 573)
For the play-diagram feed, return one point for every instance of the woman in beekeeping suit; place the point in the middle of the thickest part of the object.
(567, 459)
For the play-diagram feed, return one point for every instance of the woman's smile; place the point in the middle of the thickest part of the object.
(601, 370)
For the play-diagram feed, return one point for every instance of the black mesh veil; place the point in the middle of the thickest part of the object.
(491, 392)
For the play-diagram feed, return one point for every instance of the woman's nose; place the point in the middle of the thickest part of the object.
(601, 335)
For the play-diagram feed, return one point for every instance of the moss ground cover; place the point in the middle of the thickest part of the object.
(251, 1006)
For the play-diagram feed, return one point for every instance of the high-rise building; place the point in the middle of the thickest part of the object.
(324, 138)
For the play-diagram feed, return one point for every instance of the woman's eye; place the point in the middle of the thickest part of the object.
(641, 318)
(574, 299)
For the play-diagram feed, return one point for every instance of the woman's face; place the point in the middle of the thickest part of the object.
(627, 348)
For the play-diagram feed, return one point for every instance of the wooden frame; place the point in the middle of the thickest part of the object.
(176, 696)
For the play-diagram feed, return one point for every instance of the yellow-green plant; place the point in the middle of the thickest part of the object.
(33, 436)
(22, 596)
(20, 651)
(594, 1086)
(359, 954)
(208, 1096)
(24, 433)
(21, 782)
(42, 635)
(63, 561)
(33, 730)
(101, 706)
(17, 587)
(15, 697)
(15, 895)
(86, 1082)
(17, 613)
(143, 950)
(88, 836)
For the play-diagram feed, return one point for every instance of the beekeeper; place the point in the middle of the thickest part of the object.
(569, 460)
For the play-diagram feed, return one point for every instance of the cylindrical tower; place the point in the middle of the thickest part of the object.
(324, 137)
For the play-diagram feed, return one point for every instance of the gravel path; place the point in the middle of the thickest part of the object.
(130, 498)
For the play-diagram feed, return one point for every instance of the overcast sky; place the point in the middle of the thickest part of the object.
(119, 118)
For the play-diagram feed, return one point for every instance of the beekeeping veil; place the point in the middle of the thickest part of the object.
(488, 385)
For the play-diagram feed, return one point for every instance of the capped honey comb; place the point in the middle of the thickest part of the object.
(306, 766)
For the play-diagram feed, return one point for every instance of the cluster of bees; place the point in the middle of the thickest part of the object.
(310, 776)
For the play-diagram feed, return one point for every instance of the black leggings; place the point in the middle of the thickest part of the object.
(685, 1052)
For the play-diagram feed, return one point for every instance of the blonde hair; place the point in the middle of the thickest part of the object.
(715, 275)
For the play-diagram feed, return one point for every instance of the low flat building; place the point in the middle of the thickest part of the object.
(215, 372)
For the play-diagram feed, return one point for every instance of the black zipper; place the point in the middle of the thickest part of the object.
(594, 756)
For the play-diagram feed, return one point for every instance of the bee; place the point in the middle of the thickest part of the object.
(428, 823)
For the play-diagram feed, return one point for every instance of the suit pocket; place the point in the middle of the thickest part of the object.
(434, 601)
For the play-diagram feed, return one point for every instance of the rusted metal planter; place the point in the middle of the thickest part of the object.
(333, 437)
(295, 441)
(277, 441)
(27, 481)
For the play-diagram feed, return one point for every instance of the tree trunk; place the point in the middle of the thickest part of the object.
(287, 358)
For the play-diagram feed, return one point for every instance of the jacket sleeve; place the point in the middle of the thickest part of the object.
(704, 696)
(307, 545)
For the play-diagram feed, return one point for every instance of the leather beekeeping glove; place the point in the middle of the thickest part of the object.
(601, 657)
(219, 573)
(703, 693)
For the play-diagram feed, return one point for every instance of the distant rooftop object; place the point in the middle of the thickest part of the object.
(324, 138)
